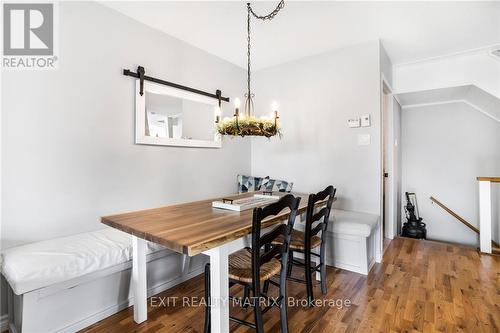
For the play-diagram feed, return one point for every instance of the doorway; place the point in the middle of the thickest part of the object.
(390, 147)
(386, 168)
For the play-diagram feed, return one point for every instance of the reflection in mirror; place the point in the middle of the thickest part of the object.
(168, 116)
(177, 118)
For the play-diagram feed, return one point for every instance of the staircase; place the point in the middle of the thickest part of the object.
(495, 247)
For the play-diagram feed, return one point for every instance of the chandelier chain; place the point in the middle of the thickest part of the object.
(270, 16)
(248, 49)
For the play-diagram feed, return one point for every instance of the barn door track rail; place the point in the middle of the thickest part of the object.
(141, 75)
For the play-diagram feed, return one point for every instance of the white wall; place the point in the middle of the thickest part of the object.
(68, 152)
(445, 147)
(317, 95)
(475, 67)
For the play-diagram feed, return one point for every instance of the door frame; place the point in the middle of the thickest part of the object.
(388, 219)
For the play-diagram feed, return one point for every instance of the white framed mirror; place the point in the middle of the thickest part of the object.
(168, 116)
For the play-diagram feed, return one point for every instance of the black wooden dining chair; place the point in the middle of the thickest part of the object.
(305, 242)
(249, 267)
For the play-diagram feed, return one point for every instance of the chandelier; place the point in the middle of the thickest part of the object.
(247, 124)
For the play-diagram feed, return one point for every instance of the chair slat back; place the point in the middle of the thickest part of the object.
(316, 222)
(260, 257)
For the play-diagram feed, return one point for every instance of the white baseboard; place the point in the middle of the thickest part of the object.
(349, 267)
(100, 295)
(123, 305)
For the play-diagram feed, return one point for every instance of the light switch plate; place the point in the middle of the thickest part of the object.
(364, 139)
(365, 121)
(355, 122)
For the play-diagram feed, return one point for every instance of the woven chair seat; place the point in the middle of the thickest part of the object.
(297, 240)
(240, 267)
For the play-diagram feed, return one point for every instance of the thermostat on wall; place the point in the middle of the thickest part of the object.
(355, 122)
(365, 120)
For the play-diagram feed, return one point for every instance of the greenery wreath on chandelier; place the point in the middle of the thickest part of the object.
(247, 124)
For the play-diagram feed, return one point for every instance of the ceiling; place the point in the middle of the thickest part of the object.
(409, 31)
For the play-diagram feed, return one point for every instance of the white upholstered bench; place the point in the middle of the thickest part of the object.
(66, 284)
(354, 241)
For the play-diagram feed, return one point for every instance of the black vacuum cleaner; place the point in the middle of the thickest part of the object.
(413, 227)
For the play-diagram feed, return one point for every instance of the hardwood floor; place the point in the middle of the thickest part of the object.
(421, 286)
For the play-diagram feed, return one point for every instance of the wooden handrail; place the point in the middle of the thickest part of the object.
(458, 217)
(489, 179)
(455, 215)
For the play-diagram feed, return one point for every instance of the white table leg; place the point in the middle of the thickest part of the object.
(139, 282)
(219, 289)
(186, 265)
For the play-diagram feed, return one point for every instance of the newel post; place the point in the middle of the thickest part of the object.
(485, 215)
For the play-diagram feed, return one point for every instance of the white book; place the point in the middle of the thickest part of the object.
(258, 200)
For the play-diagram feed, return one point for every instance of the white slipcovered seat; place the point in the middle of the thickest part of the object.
(93, 268)
(352, 223)
(353, 240)
(41, 264)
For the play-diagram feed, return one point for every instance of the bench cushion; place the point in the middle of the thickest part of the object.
(41, 264)
(251, 183)
(352, 223)
(275, 185)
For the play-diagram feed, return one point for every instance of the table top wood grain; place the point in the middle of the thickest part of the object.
(194, 227)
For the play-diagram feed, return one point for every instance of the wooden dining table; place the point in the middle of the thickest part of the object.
(190, 229)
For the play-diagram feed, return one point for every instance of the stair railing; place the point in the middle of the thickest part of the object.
(480, 231)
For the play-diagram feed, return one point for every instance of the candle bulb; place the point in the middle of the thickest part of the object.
(237, 111)
(237, 107)
(218, 113)
(217, 110)
(275, 106)
(275, 114)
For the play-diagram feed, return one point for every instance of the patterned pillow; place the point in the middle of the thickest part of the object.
(274, 185)
(251, 183)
